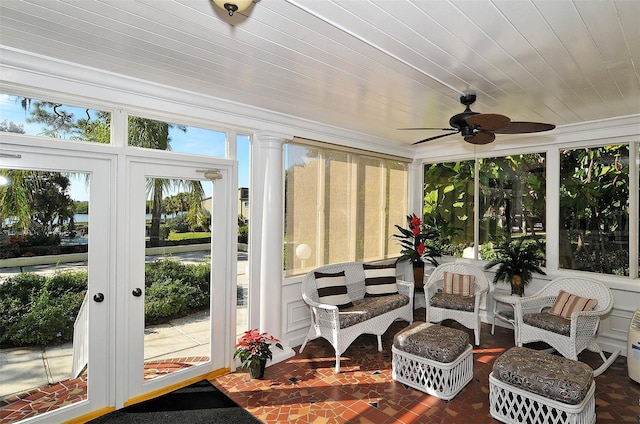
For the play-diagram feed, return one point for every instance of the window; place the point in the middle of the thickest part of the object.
(159, 135)
(594, 209)
(23, 115)
(448, 203)
(340, 206)
(595, 196)
(512, 200)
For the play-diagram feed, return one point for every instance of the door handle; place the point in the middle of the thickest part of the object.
(98, 297)
(137, 292)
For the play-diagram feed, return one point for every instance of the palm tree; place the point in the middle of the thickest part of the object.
(15, 197)
(155, 135)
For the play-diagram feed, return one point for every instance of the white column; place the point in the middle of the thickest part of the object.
(416, 176)
(271, 240)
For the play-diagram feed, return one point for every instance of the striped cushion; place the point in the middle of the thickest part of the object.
(460, 284)
(380, 280)
(332, 289)
(568, 303)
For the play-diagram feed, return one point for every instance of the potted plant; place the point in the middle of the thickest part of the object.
(416, 248)
(517, 261)
(254, 350)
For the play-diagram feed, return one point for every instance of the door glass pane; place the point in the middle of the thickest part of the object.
(242, 279)
(44, 242)
(177, 275)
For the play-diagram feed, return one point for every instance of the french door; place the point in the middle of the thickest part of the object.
(177, 314)
(72, 362)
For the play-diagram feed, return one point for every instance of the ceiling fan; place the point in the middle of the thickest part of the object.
(481, 128)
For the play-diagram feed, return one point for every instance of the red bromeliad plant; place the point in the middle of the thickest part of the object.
(253, 347)
(414, 242)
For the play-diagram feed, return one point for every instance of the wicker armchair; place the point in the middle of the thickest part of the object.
(567, 336)
(456, 310)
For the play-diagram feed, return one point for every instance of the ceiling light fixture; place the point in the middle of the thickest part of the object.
(232, 6)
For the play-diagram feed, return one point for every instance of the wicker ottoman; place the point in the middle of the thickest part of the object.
(533, 387)
(434, 359)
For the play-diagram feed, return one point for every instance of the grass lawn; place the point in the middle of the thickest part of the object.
(185, 236)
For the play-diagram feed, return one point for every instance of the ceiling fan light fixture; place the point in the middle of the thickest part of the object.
(232, 6)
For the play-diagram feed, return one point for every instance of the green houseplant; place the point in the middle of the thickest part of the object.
(517, 261)
(417, 246)
(254, 350)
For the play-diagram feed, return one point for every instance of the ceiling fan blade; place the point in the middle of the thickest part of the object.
(480, 137)
(488, 121)
(517, 127)
(443, 129)
(433, 138)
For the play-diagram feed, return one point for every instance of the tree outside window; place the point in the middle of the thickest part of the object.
(594, 209)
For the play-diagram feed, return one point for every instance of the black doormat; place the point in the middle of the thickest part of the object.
(198, 403)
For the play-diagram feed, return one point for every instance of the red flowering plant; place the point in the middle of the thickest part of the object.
(416, 242)
(253, 348)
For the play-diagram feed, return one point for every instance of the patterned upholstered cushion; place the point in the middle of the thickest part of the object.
(567, 303)
(370, 307)
(551, 376)
(432, 341)
(460, 284)
(380, 280)
(549, 322)
(332, 289)
(453, 301)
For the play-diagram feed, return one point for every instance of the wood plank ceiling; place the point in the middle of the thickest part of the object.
(369, 66)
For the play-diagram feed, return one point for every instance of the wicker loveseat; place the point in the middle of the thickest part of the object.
(367, 315)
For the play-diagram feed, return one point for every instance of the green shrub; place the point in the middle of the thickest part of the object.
(64, 282)
(22, 287)
(49, 320)
(243, 234)
(38, 310)
(179, 224)
(168, 299)
(165, 230)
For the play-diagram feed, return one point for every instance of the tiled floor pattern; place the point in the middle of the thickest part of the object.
(304, 389)
(45, 399)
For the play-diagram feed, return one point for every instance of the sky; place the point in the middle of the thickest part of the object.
(204, 142)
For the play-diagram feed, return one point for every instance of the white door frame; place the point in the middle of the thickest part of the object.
(101, 265)
(223, 262)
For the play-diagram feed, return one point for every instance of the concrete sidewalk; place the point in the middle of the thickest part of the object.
(24, 369)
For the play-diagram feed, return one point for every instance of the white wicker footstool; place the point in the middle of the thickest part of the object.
(434, 359)
(533, 387)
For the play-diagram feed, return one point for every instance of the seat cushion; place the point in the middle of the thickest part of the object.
(453, 301)
(432, 341)
(552, 376)
(548, 322)
(369, 307)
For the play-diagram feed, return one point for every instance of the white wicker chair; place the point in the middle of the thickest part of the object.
(325, 320)
(583, 325)
(470, 319)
